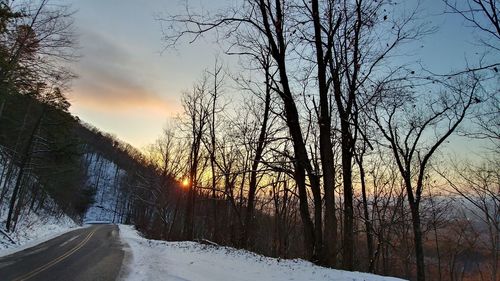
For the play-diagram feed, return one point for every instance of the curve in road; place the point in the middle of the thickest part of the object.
(88, 254)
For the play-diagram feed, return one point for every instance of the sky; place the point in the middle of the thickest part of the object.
(128, 87)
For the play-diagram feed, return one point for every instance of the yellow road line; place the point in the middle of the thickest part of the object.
(57, 260)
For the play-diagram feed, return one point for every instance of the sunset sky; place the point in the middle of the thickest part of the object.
(128, 87)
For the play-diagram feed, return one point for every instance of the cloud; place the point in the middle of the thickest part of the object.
(111, 79)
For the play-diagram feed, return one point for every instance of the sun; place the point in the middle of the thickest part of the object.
(185, 182)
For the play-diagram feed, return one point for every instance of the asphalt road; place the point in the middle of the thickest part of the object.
(89, 254)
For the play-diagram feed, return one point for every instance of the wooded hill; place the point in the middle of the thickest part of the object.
(43, 148)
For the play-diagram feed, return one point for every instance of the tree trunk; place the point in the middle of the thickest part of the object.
(212, 158)
(6, 179)
(300, 164)
(417, 239)
(2, 105)
(255, 164)
(172, 224)
(368, 225)
(189, 219)
(190, 205)
(25, 156)
(328, 253)
(348, 239)
(438, 252)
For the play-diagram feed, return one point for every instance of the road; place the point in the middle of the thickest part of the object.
(89, 254)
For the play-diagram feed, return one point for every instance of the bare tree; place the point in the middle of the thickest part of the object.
(260, 145)
(345, 52)
(214, 108)
(195, 106)
(39, 43)
(480, 14)
(405, 119)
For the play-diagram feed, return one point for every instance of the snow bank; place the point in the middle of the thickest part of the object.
(160, 260)
(33, 229)
(35, 239)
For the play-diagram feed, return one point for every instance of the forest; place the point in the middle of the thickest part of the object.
(51, 162)
(325, 145)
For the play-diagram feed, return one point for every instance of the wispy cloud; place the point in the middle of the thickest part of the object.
(112, 80)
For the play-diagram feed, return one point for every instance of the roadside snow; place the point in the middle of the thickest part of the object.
(33, 231)
(183, 261)
(32, 228)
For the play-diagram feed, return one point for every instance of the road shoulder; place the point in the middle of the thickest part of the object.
(37, 241)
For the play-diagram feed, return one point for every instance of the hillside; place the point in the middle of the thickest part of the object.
(33, 223)
(57, 172)
(105, 178)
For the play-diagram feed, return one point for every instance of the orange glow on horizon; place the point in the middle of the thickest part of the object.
(185, 183)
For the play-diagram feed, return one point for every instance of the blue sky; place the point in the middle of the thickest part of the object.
(127, 87)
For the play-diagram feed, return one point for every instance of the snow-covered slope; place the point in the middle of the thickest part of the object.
(104, 177)
(159, 260)
(35, 230)
(33, 224)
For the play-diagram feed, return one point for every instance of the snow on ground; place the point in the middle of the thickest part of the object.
(183, 261)
(39, 236)
(33, 227)
(104, 177)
